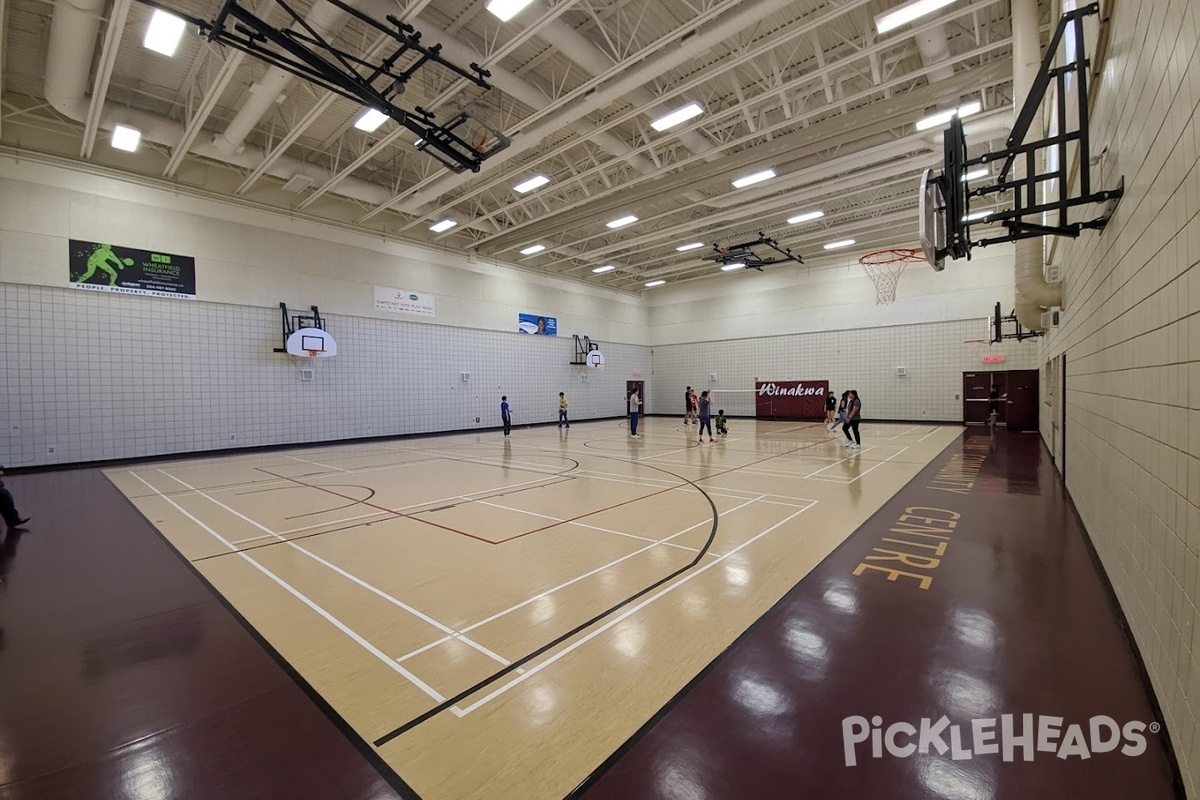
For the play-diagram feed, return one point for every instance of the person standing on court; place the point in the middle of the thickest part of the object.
(635, 409)
(830, 409)
(687, 406)
(506, 415)
(853, 417)
(562, 410)
(705, 408)
(8, 507)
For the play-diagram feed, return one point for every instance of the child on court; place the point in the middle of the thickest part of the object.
(506, 415)
(562, 410)
(830, 410)
(688, 416)
(722, 430)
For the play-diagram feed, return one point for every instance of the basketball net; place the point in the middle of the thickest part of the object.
(884, 268)
(312, 353)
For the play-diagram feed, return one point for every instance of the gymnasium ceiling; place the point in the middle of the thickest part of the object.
(806, 87)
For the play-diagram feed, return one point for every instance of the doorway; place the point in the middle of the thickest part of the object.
(640, 387)
(1017, 391)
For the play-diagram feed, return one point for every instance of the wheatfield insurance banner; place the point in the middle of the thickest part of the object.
(112, 268)
(790, 399)
(402, 301)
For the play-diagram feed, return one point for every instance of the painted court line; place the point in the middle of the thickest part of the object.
(369, 587)
(843, 460)
(625, 615)
(931, 433)
(341, 626)
(599, 569)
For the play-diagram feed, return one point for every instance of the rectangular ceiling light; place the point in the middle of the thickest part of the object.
(537, 248)
(907, 13)
(126, 138)
(683, 248)
(732, 266)
(535, 182)
(940, 119)
(164, 32)
(504, 10)
(757, 177)
(977, 174)
(370, 121)
(839, 244)
(807, 216)
(442, 226)
(622, 222)
(652, 284)
(676, 117)
(605, 268)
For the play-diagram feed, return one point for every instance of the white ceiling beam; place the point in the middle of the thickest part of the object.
(687, 86)
(195, 124)
(108, 58)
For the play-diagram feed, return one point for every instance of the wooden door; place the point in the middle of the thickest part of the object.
(976, 386)
(1022, 405)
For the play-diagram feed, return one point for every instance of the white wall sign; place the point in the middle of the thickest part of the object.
(402, 301)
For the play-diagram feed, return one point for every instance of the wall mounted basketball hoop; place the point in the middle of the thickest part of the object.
(1038, 197)
(304, 335)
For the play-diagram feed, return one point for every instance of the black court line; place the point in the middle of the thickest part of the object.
(515, 665)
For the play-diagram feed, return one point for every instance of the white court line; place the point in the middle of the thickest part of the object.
(617, 620)
(847, 458)
(315, 463)
(374, 590)
(581, 524)
(601, 568)
(904, 433)
(370, 648)
(863, 473)
(931, 433)
(684, 450)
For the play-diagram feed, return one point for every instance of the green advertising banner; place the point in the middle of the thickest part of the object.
(109, 268)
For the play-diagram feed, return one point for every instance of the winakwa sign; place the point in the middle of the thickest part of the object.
(790, 399)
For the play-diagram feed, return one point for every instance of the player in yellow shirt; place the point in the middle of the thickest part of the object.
(562, 410)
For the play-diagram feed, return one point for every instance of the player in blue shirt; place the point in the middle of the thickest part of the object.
(506, 415)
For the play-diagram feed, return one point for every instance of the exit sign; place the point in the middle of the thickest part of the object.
(996, 359)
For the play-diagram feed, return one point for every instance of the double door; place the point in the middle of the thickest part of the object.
(1016, 393)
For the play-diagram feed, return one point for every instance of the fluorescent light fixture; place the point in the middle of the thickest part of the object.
(537, 248)
(683, 248)
(164, 32)
(757, 177)
(676, 117)
(907, 13)
(732, 266)
(126, 138)
(622, 222)
(652, 284)
(605, 268)
(533, 183)
(839, 244)
(807, 216)
(505, 10)
(370, 121)
(976, 175)
(941, 118)
(444, 225)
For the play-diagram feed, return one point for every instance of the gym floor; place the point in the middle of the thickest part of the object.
(566, 612)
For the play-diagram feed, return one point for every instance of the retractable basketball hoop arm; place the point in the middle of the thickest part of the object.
(743, 253)
(306, 54)
(290, 324)
(583, 346)
(956, 193)
(998, 334)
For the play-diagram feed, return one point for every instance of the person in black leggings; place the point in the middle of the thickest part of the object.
(853, 417)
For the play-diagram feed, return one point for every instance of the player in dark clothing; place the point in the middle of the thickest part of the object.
(830, 410)
(8, 507)
(853, 417)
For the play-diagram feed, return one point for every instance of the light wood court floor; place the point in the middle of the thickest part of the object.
(497, 616)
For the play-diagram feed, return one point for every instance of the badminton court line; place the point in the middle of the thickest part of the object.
(369, 587)
(529, 673)
(931, 433)
(864, 472)
(579, 578)
(337, 623)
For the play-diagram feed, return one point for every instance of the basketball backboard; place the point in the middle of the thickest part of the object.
(314, 342)
(932, 221)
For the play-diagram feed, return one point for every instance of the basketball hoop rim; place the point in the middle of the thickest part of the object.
(892, 255)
